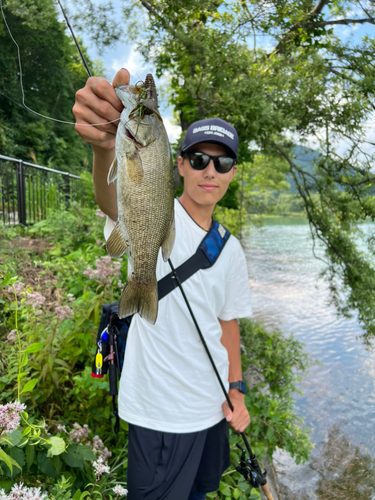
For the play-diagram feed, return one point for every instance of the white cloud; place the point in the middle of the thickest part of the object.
(134, 63)
(173, 130)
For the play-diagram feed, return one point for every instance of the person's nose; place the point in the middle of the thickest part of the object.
(210, 170)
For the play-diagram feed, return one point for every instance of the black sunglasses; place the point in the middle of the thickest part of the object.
(199, 161)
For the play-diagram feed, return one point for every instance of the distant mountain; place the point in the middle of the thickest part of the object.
(304, 158)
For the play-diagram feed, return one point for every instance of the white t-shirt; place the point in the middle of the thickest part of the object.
(167, 382)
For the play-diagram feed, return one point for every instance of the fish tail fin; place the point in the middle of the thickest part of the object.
(139, 298)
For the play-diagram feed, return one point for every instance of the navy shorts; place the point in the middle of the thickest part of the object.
(168, 466)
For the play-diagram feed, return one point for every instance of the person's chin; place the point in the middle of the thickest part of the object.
(209, 197)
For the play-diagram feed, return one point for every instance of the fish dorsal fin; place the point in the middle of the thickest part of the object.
(134, 167)
(117, 242)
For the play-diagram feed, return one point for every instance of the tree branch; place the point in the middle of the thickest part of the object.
(338, 21)
(313, 13)
(151, 10)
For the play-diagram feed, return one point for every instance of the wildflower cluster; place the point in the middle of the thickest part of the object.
(34, 299)
(21, 492)
(100, 467)
(99, 449)
(79, 433)
(10, 416)
(105, 270)
(17, 287)
(12, 335)
(119, 490)
(64, 312)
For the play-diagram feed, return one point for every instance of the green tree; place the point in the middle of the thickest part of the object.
(309, 85)
(52, 72)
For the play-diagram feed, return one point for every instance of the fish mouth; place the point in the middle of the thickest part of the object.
(132, 137)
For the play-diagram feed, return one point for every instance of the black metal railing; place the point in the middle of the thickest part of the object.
(27, 190)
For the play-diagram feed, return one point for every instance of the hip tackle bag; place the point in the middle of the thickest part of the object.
(113, 331)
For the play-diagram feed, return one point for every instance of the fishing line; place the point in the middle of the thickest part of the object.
(23, 93)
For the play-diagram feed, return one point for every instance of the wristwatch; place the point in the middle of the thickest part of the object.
(240, 386)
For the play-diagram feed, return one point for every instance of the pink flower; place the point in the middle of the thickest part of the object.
(105, 271)
(34, 299)
(10, 416)
(17, 287)
(120, 284)
(99, 449)
(12, 335)
(61, 428)
(100, 467)
(99, 213)
(71, 297)
(99, 242)
(64, 312)
(78, 433)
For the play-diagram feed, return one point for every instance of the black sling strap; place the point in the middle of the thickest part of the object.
(206, 255)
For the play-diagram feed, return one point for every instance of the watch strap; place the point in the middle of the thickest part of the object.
(240, 386)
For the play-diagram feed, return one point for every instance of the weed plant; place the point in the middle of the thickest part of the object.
(55, 276)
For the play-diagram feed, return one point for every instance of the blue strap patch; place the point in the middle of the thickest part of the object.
(213, 243)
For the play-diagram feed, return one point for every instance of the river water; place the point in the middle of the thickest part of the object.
(338, 401)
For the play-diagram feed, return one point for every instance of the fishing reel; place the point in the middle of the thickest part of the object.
(251, 472)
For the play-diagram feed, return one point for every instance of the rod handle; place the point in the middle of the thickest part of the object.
(267, 492)
(112, 374)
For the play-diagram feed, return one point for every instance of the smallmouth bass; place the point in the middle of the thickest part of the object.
(143, 172)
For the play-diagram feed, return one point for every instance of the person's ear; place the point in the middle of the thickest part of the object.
(180, 165)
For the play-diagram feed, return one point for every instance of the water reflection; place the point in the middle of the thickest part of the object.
(345, 471)
(288, 295)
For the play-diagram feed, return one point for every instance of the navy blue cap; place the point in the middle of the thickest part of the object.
(213, 130)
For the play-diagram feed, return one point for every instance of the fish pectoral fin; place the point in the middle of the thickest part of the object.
(112, 173)
(117, 243)
(167, 245)
(134, 167)
(139, 298)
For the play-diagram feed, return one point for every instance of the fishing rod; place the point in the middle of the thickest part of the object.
(248, 467)
(75, 40)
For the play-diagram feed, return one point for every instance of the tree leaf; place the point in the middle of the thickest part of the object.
(35, 347)
(30, 454)
(77, 495)
(46, 466)
(24, 359)
(7, 280)
(57, 446)
(8, 460)
(18, 455)
(14, 437)
(29, 386)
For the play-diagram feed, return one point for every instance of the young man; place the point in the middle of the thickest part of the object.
(177, 414)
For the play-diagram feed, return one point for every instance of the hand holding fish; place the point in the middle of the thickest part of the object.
(98, 103)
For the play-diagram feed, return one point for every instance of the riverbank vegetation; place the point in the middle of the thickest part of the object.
(55, 278)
